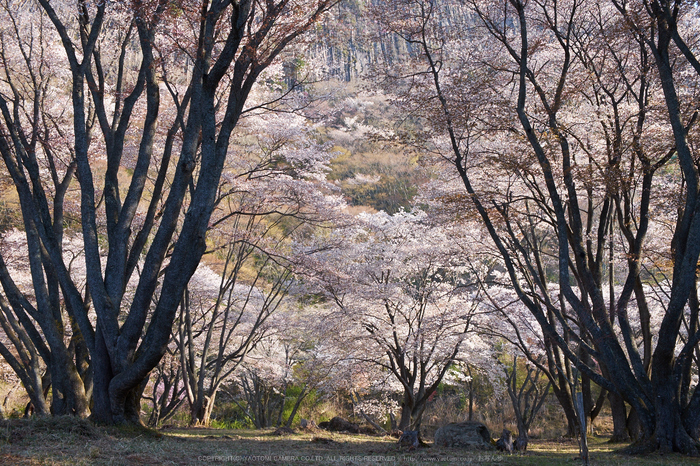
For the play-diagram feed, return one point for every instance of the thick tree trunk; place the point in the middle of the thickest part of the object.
(67, 388)
(619, 417)
(634, 426)
(132, 404)
(411, 413)
(198, 415)
(405, 419)
(522, 440)
(200, 411)
(670, 433)
(110, 406)
(102, 374)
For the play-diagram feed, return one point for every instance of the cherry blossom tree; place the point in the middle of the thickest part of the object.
(215, 336)
(560, 145)
(273, 192)
(527, 395)
(296, 358)
(19, 350)
(82, 101)
(167, 391)
(658, 24)
(399, 288)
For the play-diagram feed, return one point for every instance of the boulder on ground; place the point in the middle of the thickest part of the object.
(283, 431)
(338, 424)
(468, 435)
(307, 424)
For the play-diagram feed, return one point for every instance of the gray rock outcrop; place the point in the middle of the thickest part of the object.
(468, 435)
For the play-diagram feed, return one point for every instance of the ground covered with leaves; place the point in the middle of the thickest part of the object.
(68, 441)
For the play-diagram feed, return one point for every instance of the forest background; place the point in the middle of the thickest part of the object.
(248, 213)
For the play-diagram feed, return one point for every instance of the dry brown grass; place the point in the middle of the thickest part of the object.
(68, 441)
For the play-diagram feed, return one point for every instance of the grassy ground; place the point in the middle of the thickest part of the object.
(65, 441)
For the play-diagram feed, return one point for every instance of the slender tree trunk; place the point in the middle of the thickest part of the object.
(38, 404)
(297, 404)
(566, 403)
(470, 385)
(102, 374)
(471, 401)
(634, 426)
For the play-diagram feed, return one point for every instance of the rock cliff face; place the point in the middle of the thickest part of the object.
(348, 43)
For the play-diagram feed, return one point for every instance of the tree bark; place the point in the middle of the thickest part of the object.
(619, 417)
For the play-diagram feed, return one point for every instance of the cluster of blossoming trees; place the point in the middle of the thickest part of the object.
(570, 129)
(559, 219)
(117, 120)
